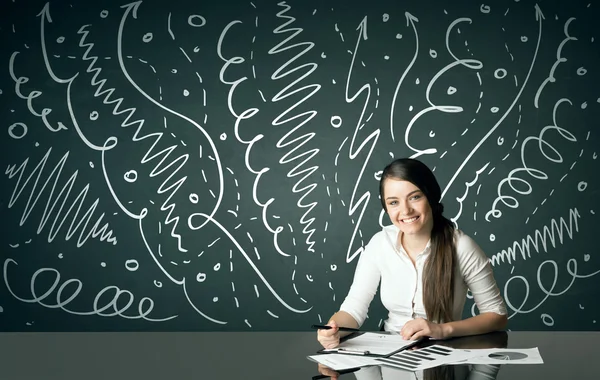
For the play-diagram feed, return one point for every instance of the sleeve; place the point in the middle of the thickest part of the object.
(364, 285)
(478, 275)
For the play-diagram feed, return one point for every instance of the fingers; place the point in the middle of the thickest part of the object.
(329, 338)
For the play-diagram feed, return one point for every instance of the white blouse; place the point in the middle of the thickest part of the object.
(401, 281)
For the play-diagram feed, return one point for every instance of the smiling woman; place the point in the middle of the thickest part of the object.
(424, 264)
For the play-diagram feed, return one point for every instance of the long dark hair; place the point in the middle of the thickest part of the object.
(438, 273)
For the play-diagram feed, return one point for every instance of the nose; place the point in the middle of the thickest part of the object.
(406, 209)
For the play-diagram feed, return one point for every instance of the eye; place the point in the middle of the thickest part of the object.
(415, 197)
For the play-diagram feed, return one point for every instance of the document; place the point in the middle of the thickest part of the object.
(428, 357)
(374, 343)
(504, 356)
(338, 362)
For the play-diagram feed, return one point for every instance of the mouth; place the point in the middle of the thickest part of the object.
(409, 220)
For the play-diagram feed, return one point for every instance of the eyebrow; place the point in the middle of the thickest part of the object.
(408, 195)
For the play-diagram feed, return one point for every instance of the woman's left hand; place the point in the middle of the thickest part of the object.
(418, 328)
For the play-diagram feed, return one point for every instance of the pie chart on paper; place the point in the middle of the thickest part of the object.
(508, 356)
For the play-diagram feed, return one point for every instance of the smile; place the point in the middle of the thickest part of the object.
(411, 220)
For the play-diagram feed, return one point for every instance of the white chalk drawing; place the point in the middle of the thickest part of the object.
(232, 159)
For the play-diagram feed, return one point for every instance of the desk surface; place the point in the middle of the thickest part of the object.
(256, 355)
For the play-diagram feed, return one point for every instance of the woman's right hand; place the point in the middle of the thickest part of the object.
(329, 338)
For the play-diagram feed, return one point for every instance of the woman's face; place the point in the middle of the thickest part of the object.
(407, 207)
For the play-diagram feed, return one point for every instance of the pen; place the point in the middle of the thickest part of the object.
(324, 327)
(351, 351)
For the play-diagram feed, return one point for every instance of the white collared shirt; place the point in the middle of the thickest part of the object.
(401, 281)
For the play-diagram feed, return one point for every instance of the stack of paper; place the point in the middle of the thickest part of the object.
(372, 349)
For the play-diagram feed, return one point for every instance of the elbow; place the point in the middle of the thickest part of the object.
(502, 321)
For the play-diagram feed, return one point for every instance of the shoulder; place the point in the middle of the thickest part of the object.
(466, 247)
(382, 239)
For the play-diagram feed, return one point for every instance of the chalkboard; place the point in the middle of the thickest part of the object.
(214, 166)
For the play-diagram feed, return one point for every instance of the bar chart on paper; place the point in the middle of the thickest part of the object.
(432, 356)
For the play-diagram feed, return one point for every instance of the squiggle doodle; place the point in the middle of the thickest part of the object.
(76, 225)
(539, 17)
(535, 173)
(559, 59)
(307, 116)
(62, 300)
(571, 268)
(548, 234)
(372, 139)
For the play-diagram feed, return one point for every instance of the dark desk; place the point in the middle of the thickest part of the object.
(174, 356)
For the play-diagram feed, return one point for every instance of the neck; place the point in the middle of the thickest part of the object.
(414, 243)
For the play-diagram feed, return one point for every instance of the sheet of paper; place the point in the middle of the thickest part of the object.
(504, 356)
(428, 357)
(340, 362)
(376, 344)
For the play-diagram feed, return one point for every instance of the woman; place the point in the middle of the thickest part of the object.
(424, 264)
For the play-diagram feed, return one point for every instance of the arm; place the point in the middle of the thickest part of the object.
(479, 324)
(479, 276)
(353, 310)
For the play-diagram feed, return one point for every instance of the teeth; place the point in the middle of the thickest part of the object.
(409, 220)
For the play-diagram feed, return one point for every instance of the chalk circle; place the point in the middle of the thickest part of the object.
(494, 109)
(104, 13)
(223, 136)
(432, 53)
(17, 136)
(583, 105)
(581, 71)
(500, 73)
(192, 21)
(186, 92)
(594, 156)
(60, 255)
(91, 164)
(484, 8)
(103, 264)
(158, 284)
(581, 186)
(194, 198)
(94, 115)
(508, 356)
(500, 140)
(130, 176)
(431, 134)
(215, 299)
(60, 40)
(547, 319)
(492, 237)
(451, 90)
(201, 277)
(410, 108)
(417, 81)
(398, 36)
(378, 175)
(147, 37)
(174, 71)
(524, 39)
(386, 17)
(217, 267)
(1, 309)
(386, 57)
(37, 144)
(336, 121)
(333, 267)
(0, 91)
(323, 55)
(132, 265)
(309, 278)
(196, 49)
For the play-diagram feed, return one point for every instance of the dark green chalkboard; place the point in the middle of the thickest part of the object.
(173, 165)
